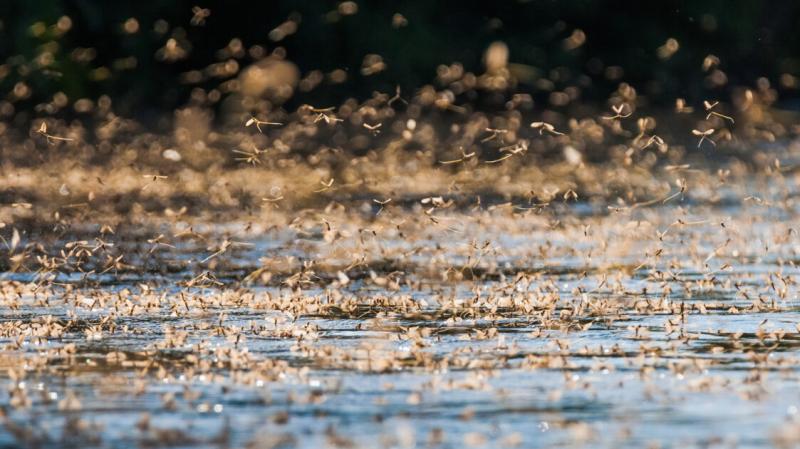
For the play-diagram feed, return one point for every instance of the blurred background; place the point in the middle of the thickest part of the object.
(152, 57)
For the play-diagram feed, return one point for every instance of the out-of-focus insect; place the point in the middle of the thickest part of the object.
(50, 138)
(704, 135)
(374, 129)
(258, 123)
(618, 114)
(199, 16)
(710, 106)
(544, 126)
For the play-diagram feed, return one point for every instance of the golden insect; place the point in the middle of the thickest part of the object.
(546, 127)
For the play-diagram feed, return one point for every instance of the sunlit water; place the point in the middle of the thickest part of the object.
(672, 325)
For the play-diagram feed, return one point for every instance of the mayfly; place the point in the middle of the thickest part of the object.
(704, 136)
(158, 241)
(495, 134)
(222, 248)
(325, 185)
(258, 123)
(382, 204)
(519, 148)
(155, 178)
(643, 123)
(544, 126)
(710, 62)
(618, 112)
(324, 114)
(50, 138)
(250, 157)
(681, 108)
(464, 157)
(374, 129)
(396, 97)
(658, 141)
(710, 106)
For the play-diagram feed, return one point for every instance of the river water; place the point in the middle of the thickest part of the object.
(671, 324)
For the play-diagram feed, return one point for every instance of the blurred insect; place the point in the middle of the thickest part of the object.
(570, 195)
(681, 108)
(156, 242)
(325, 185)
(518, 148)
(222, 248)
(258, 123)
(543, 126)
(374, 129)
(643, 124)
(618, 112)
(324, 114)
(671, 168)
(495, 133)
(250, 157)
(396, 97)
(199, 16)
(274, 200)
(658, 141)
(709, 62)
(382, 204)
(155, 178)
(15, 239)
(50, 138)
(710, 106)
(704, 135)
(464, 157)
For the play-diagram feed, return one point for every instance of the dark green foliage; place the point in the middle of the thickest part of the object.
(752, 38)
